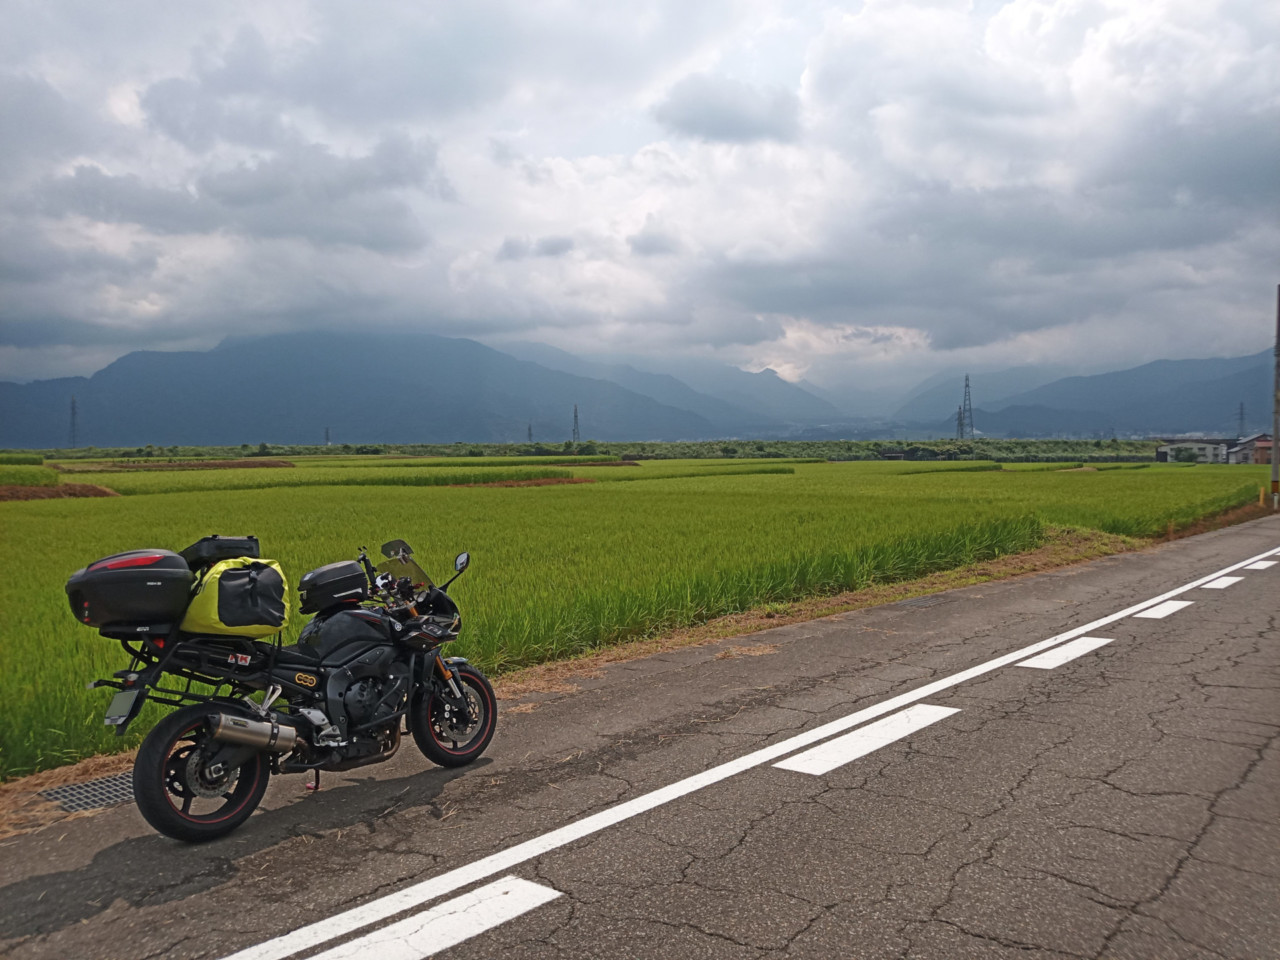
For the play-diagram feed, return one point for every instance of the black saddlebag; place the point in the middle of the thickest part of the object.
(207, 551)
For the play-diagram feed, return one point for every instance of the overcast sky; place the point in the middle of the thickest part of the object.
(850, 192)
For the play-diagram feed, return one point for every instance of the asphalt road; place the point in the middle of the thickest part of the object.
(885, 783)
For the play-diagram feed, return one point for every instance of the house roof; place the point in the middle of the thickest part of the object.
(1257, 440)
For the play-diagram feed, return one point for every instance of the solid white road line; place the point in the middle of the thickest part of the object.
(341, 924)
(1262, 565)
(1162, 610)
(836, 753)
(1221, 583)
(448, 924)
(1065, 653)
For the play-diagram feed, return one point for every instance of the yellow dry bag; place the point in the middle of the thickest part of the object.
(243, 597)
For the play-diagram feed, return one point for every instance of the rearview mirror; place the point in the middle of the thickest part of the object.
(462, 562)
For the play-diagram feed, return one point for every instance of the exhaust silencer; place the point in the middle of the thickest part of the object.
(261, 734)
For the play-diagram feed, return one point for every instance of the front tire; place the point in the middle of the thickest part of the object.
(445, 738)
(172, 789)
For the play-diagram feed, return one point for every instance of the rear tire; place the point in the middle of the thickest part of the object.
(172, 791)
(442, 738)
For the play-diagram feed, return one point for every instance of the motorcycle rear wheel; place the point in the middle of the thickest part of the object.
(173, 791)
(441, 736)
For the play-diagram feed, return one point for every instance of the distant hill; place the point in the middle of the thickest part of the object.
(1163, 397)
(407, 388)
(764, 394)
(727, 418)
(365, 388)
(941, 394)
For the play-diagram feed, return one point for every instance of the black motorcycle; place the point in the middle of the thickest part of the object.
(368, 664)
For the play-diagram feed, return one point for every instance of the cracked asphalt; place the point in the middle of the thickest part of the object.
(1123, 805)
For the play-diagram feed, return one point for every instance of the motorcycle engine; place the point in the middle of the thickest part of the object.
(360, 699)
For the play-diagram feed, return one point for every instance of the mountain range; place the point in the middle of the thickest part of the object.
(420, 388)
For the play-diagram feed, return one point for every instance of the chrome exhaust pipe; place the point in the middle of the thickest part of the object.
(261, 734)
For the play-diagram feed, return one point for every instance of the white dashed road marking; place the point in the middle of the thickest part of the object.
(1222, 583)
(836, 753)
(448, 924)
(1065, 653)
(413, 896)
(1262, 565)
(1162, 610)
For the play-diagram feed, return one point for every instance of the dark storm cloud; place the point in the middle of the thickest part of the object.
(1229, 156)
(51, 330)
(187, 112)
(513, 248)
(396, 162)
(718, 108)
(308, 193)
(88, 192)
(552, 246)
(27, 257)
(518, 248)
(652, 241)
(39, 125)
(1119, 220)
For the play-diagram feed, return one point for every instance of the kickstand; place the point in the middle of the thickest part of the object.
(314, 784)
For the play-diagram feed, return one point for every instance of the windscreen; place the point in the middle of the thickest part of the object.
(405, 567)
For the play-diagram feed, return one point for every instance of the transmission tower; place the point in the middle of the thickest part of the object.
(959, 423)
(1240, 422)
(326, 436)
(966, 411)
(74, 437)
(531, 431)
(576, 436)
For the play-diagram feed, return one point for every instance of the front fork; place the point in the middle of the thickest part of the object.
(447, 675)
(452, 690)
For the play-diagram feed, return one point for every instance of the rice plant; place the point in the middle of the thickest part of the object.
(556, 569)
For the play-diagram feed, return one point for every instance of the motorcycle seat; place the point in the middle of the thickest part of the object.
(298, 655)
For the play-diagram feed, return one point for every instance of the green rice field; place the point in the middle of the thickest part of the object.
(27, 476)
(556, 569)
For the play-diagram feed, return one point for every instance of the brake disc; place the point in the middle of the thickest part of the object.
(207, 789)
(452, 723)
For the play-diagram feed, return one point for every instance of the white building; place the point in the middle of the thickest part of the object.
(1254, 449)
(1204, 450)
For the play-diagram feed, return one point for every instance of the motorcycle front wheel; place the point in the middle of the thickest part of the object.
(446, 737)
(174, 791)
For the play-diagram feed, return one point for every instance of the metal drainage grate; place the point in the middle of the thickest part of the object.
(106, 792)
(931, 601)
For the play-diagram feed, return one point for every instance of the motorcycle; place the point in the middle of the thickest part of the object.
(368, 663)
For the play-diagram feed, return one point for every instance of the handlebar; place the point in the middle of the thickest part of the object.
(368, 567)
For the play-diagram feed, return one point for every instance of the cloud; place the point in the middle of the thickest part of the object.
(840, 191)
(184, 110)
(652, 241)
(513, 248)
(718, 108)
(42, 126)
(552, 246)
(518, 248)
(307, 192)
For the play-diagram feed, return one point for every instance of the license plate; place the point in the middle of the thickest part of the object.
(121, 707)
